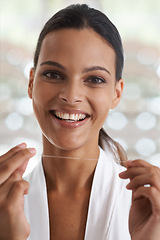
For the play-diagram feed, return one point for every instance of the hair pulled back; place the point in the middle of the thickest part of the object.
(80, 16)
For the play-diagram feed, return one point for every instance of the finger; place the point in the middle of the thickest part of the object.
(153, 195)
(132, 172)
(9, 166)
(141, 180)
(12, 152)
(16, 195)
(23, 167)
(137, 163)
(7, 185)
(18, 189)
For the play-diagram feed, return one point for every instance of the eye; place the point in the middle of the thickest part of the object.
(52, 75)
(96, 80)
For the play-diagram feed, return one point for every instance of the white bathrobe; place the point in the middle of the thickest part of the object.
(109, 203)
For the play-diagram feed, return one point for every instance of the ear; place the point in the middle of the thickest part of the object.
(118, 93)
(30, 85)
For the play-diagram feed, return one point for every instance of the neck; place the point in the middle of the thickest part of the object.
(71, 170)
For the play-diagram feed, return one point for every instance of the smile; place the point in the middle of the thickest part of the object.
(69, 117)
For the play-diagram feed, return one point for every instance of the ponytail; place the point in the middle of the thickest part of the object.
(115, 147)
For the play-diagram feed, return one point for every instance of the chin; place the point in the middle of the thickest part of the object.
(67, 144)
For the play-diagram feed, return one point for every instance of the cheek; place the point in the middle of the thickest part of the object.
(39, 102)
(42, 95)
(103, 102)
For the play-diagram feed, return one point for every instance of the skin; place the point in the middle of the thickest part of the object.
(76, 86)
(13, 224)
(144, 218)
(74, 89)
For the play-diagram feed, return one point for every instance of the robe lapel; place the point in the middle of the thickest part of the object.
(102, 198)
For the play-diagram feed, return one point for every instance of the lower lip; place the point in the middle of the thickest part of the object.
(66, 124)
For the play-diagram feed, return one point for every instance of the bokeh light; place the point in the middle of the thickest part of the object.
(132, 91)
(135, 124)
(117, 120)
(14, 121)
(145, 121)
(15, 56)
(24, 106)
(153, 105)
(145, 147)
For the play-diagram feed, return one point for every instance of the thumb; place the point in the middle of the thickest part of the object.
(21, 169)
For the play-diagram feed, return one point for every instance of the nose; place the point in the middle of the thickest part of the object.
(71, 93)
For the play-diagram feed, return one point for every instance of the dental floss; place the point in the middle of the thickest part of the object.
(49, 156)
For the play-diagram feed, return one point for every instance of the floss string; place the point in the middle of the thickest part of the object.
(49, 156)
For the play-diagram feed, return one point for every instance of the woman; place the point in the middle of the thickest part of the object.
(75, 192)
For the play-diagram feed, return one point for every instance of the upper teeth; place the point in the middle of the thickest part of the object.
(67, 116)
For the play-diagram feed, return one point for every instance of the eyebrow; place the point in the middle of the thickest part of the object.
(94, 68)
(51, 63)
(86, 70)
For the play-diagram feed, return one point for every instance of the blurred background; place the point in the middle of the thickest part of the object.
(135, 123)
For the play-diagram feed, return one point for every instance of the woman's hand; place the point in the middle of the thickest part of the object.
(13, 224)
(144, 218)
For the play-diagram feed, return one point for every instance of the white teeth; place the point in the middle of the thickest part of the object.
(72, 117)
(65, 116)
(59, 114)
(68, 117)
(77, 117)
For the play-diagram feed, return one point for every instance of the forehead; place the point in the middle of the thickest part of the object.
(83, 45)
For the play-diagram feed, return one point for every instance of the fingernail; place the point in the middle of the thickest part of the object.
(32, 150)
(127, 186)
(128, 162)
(22, 145)
(121, 174)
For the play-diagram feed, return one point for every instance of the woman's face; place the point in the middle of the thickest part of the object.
(73, 87)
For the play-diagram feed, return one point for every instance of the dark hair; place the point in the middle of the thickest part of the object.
(82, 16)
(79, 17)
